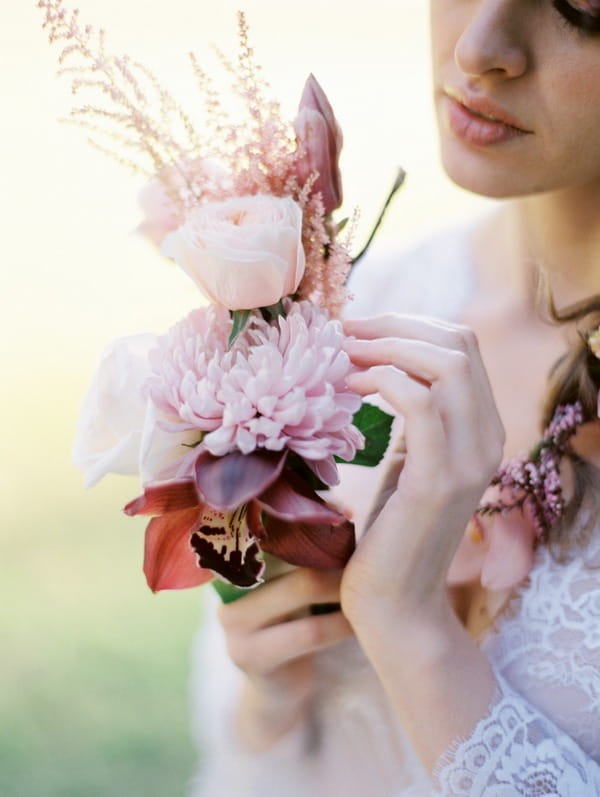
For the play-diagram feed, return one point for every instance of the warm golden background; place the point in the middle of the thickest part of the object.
(94, 668)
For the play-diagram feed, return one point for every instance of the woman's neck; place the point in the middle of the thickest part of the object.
(559, 234)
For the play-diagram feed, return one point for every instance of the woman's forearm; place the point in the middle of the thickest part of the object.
(267, 713)
(437, 680)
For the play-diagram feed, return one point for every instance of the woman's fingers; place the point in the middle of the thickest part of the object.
(422, 360)
(420, 343)
(415, 327)
(264, 651)
(272, 626)
(281, 599)
(443, 356)
(425, 436)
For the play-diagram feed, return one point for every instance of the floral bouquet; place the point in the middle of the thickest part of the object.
(236, 418)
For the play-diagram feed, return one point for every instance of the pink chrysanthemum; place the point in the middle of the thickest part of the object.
(282, 384)
(186, 367)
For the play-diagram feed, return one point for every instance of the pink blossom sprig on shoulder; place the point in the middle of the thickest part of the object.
(534, 481)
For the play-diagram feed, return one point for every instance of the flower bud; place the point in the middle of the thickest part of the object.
(319, 138)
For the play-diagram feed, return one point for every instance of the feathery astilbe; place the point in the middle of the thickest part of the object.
(328, 261)
(534, 480)
(138, 115)
(140, 125)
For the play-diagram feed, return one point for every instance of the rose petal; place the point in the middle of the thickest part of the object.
(113, 411)
(169, 561)
(232, 480)
(160, 499)
(321, 546)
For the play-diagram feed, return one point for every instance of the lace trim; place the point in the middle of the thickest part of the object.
(515, 750)
(448, 758)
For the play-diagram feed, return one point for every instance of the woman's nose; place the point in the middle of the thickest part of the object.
(494, 42)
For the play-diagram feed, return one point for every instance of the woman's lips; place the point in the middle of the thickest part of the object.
(480, 122)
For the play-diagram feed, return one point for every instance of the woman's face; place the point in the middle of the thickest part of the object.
(517, 92)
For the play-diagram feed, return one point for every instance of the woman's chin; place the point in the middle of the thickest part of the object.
(486, 176)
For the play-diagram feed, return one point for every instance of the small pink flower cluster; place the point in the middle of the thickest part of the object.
(534, 481)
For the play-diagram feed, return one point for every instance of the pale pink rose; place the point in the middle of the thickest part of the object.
(161, 215)
(320, 138)
(113, 411)
(243, 253)
(186, 180)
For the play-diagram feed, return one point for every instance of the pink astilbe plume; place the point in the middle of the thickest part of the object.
(328, 260)
(258, 152)
(152, 134)
(139, 117)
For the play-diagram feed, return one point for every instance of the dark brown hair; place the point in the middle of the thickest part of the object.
(575, 377)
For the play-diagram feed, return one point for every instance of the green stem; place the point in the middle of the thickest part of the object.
(400, 177)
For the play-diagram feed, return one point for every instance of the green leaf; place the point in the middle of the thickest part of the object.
(274, 568)
(376, 425)
(227, 592)
(240, 319)
(296, 464)
(341, 224)
(273, 311)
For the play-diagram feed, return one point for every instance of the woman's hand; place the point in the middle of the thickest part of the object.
(271, 636)
(432, 374)
(394, 587)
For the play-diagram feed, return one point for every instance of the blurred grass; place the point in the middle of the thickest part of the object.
(94, 673)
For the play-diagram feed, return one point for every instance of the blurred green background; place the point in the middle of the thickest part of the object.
(95, 669)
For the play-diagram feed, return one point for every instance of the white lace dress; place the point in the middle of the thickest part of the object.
(541, 735)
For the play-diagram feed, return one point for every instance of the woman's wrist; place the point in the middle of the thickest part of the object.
(376, 613)
(268, 710)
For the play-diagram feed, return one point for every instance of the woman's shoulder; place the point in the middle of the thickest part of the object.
(433, 275)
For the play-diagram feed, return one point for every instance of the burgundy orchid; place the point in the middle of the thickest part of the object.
(235, 507)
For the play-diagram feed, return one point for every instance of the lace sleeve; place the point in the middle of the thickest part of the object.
(514, 750)
(541, 735)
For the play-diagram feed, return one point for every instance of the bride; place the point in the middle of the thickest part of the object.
(461, 662)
